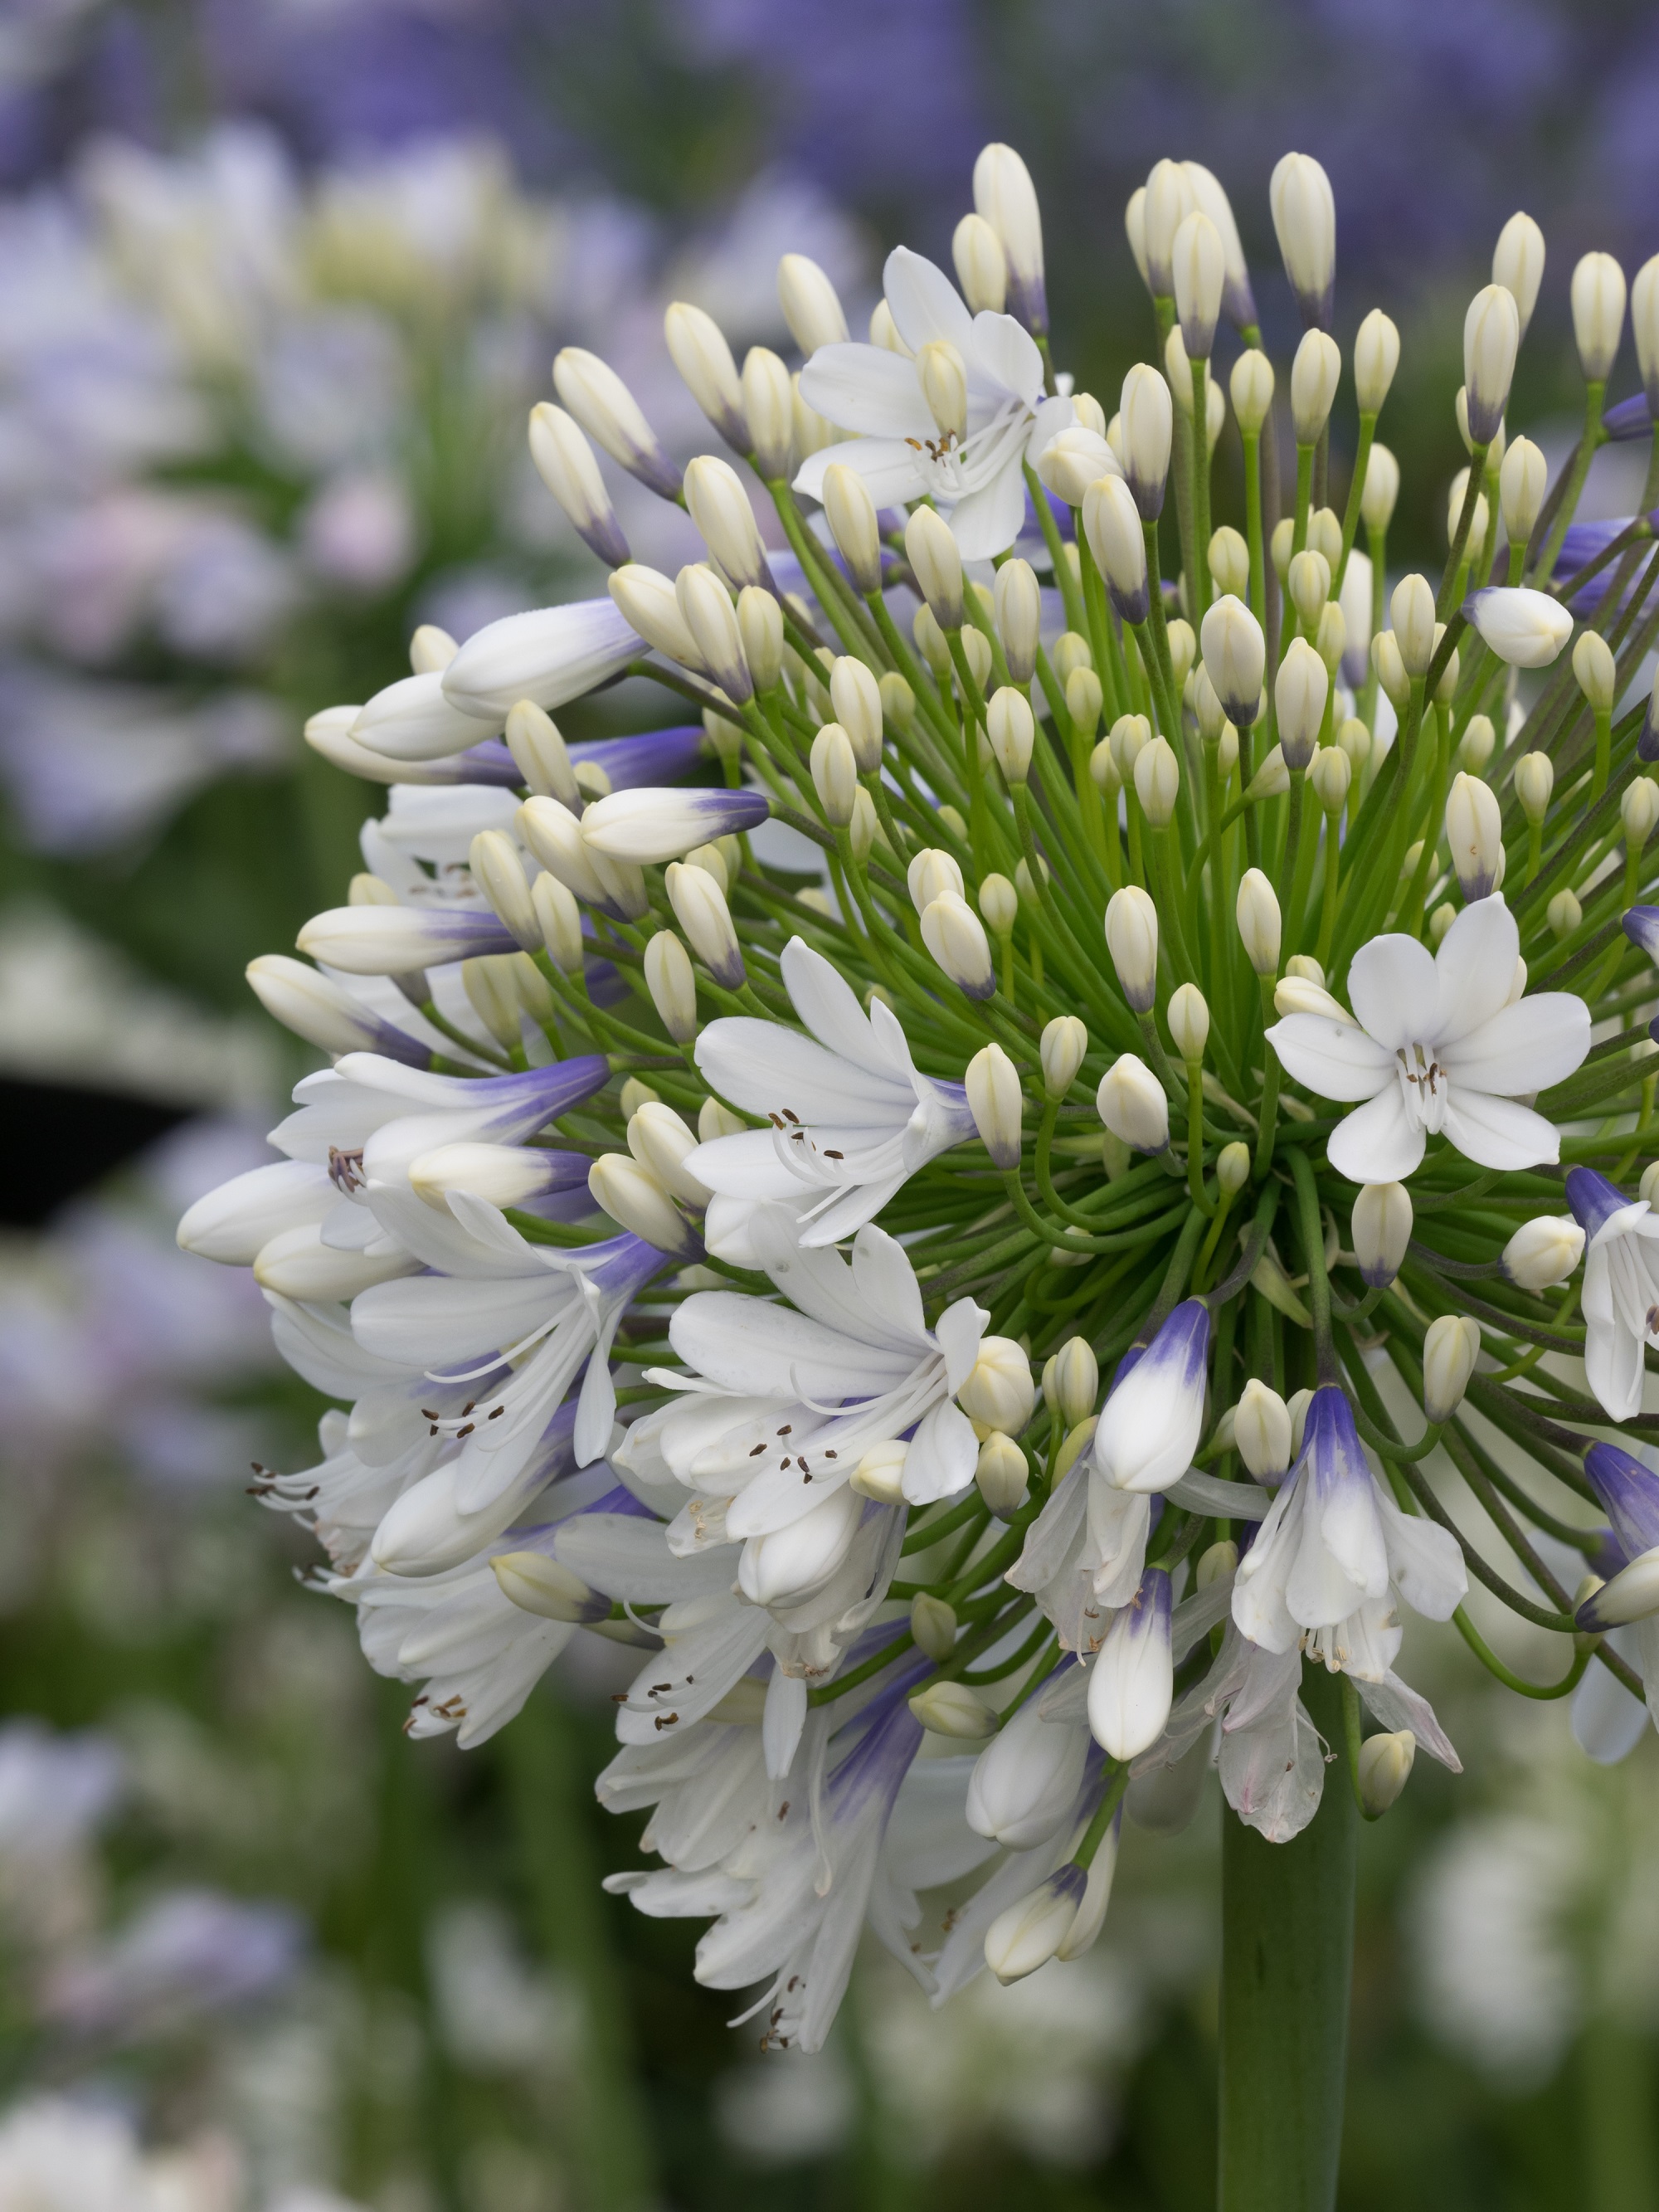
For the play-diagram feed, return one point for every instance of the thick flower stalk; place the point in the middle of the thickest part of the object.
(1032, 1276)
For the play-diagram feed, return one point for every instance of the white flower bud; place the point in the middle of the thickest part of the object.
(698, 347)
(1478, 742)
(1544, 1252)
(880, 1473)
(1131, 1102)
(700, 908)
(1018, 609)
(811, 305)
(1517, 262)
(1331, 636)
(1314, 374)
(932, 1625)
(539, 753)
(1521, 482)
(1644, 328)
(1564, 914)
(1229, 563)
(1376, 358)
(1063, 1043)
(431, 648)
(1148, 428)
(1411, 609)
(719, 507)
(672, 986)
(1084, 699)
(1261, 1431)
(856, 698)
(1076, 1380)
(1002, 1472)
(1183, 651)
(1638, 808)
(981, 267)
(1011, 730)
(1232, 1167)
(313, 1006)
(1112, 525)
(760, 631)
(1272, 779)
(1598, 314)
(661, 1142)
(1477, 536)
(1535, 782)
(1197, 263)
(1376, 501)
(605, 407)
(559, 919)
(998, 1391)
(1299, 695)
(1304, 221)
(497, 869)
(1132, 940)
(1450, 1352)
(942, 375)
(852, 516)
(931, 873)
(1380, 1230)
(1525, 628)
(1134, 229)
(997, 1103)
(1026, 1936)
(1005, 195)
(1597, 673)
(1384, 1766)
(1252, 388)
(1235, 658)
(1491, 337)
(1475, 832)
(1328, 774)
(1072, 460)
(1189, 1018)
(1259, 922)
(834, 773)
(1308, 580)
(955, 936)
(999, 902)
(1168, 202)
(1130, 735)
(932, 551)
(634, 1198)
(648, 600)
(564, 461)
(707, 610)
(1158, 782)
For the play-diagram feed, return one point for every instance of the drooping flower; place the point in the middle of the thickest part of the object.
(1442, 1044)
(1621, 1288)
(973, 467)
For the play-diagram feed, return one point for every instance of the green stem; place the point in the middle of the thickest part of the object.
(1287, 1964)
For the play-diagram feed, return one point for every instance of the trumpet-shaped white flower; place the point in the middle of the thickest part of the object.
(974, 471)
(1621, 1288)
(852, 1118)
(1439, 1046)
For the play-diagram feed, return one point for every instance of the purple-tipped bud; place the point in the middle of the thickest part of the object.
(1630, 1492)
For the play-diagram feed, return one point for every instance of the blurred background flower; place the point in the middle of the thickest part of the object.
(279, 280)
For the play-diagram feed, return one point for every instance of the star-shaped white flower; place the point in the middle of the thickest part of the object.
(898, 447)
(1442, 1044)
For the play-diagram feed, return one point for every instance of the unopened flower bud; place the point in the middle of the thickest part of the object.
(1132, 940)
(1076, 1377)
(719, 507)
(982, 269)
(1535, 782)
(1197, 263)
(1229, 563)
(564, 461)
(1450, 1352)
(1492, 335)
(634, 1198)
(700, 908)
(1234, 659)
(1083, 698)
(834, 773)
(698, 348)
(1478, 742)
(1011, 730)
(1304, 220)
(932, 555)
(852, 517)
(1158, 782)
(1525, 628)
(954, 935)
(1597, 673)
(1169, 201)
(707, 610)
(999, 1390)
(1005, 195)
(498, 873)
(1018, 605)
(1381, 490)
(1543, 1252)
(1521, 482)
(1183, 650)
(1314, 374)
(997, 1103)
(769, 409)
(1148, 428)
(1383, 1767)
(1027, 1934)
(606, 408)
(1131, 1102)
(880, 1473)
(1260, 926)
(1638, 810)
(953, 1709)
(811, 305)
(1328, 774)
(1517, 262)
(1111, 524)
(1251, 385)
(1477, 536)
(1299, 694)
(1598, 314)
(1063, 1043)
(760, 630)
(1382, 1230)
(856, 698)
(559, 920)
(1308, 581)
(931, 872)
(933, 1626)
(999, 902)
(1564, 914)
(1376, 358)
(1412, 610)
(1189, 1018)
(1003, 1474)
(672, 986)
(1261, 1431)
(942, 375)
(1475, 832)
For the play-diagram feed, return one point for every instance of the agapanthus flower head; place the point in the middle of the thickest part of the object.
(843, 1066)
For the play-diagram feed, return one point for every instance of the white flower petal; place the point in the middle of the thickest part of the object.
(891, 468)
(1392, 989)
(1007, 350)
(1473, 970)
(942, 1454)
(925, 304)
(766, 1068)
(1496, 1133)
(1331, 1057)
(987, 522)
(1379, 1142)
(828, 1007)
(867, 390)
(1523, 1047)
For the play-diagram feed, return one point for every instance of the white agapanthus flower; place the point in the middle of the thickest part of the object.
(972, 466)
(1441, 1044)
